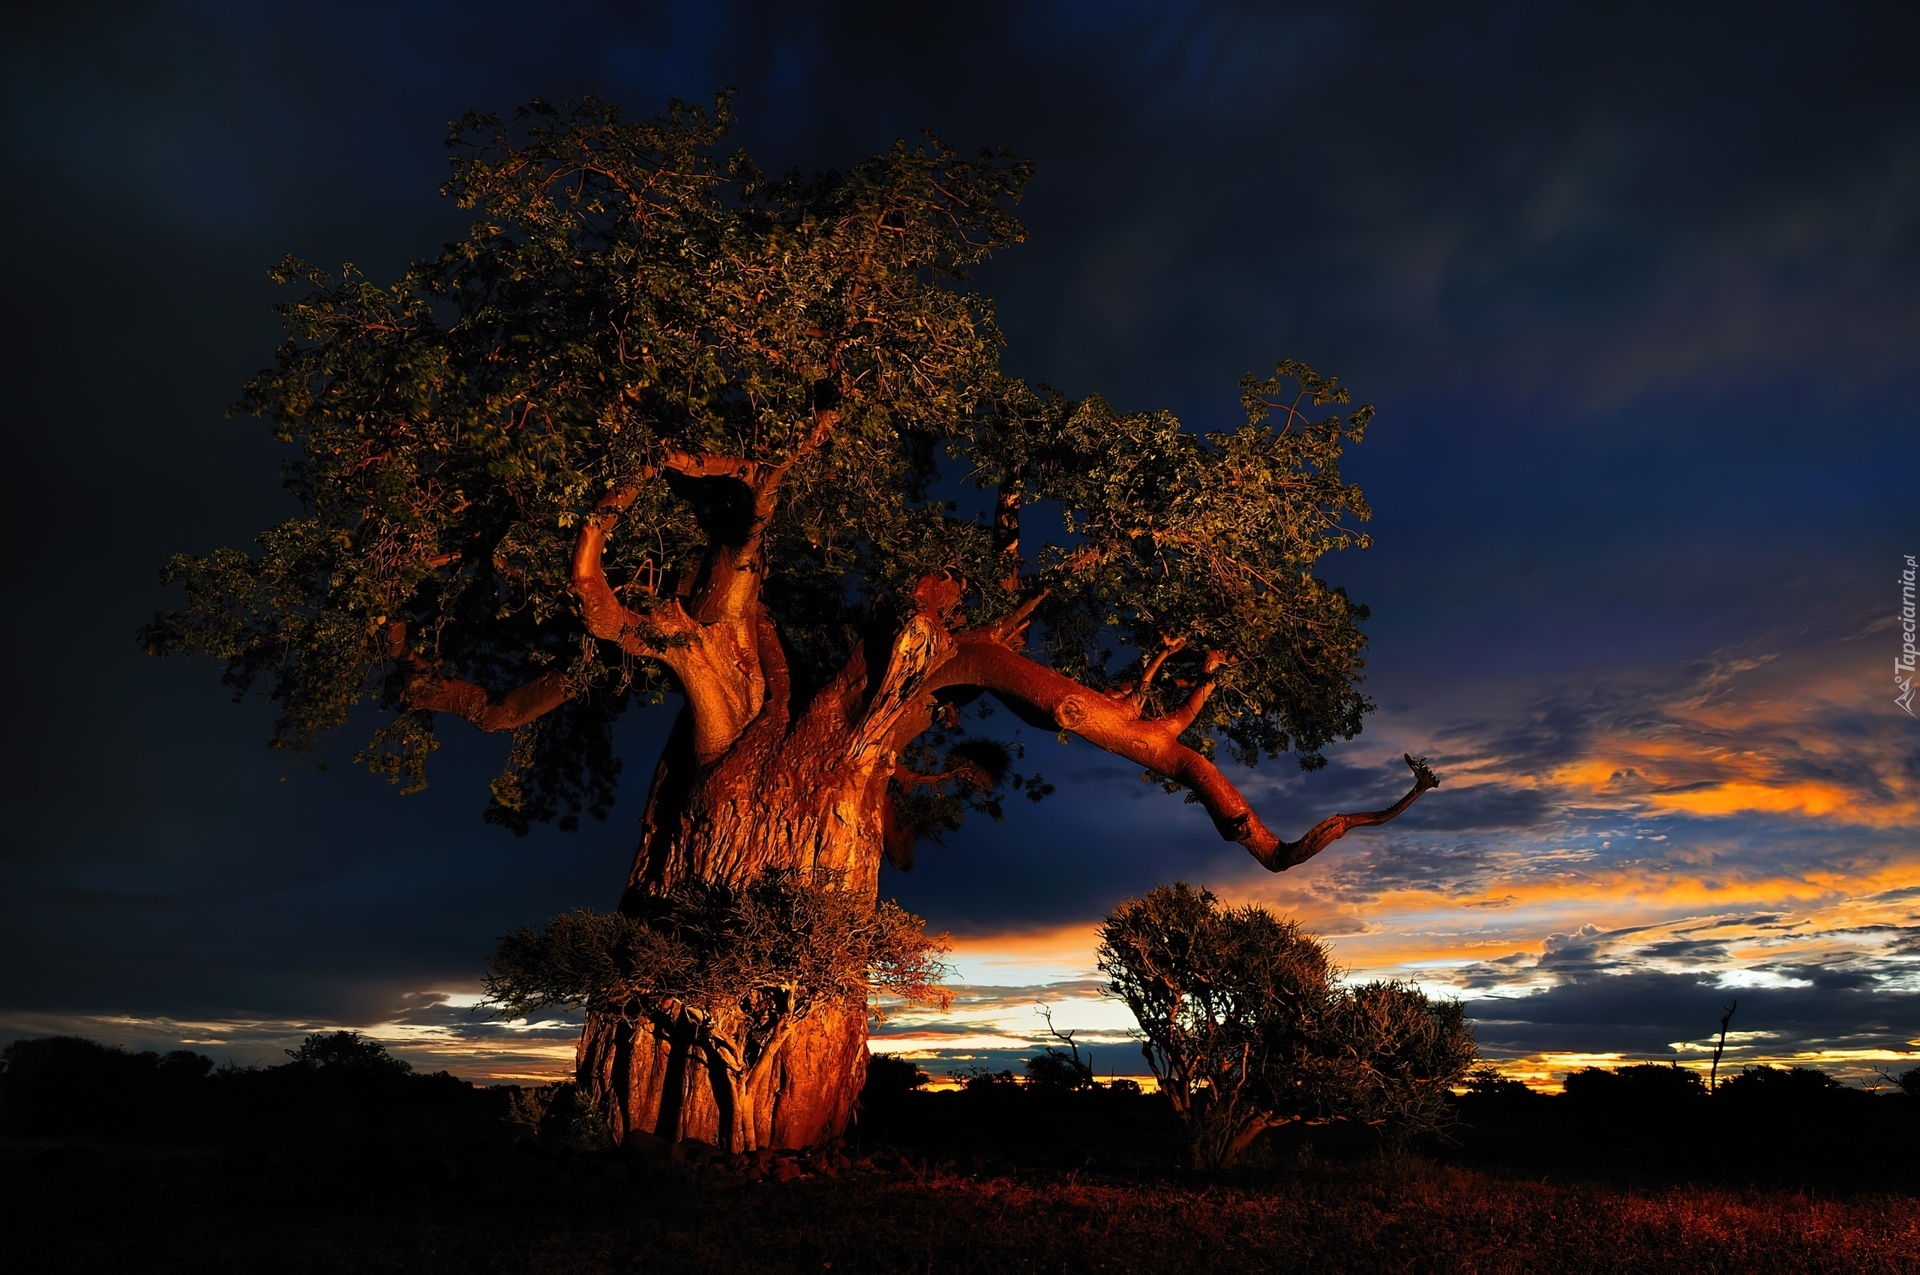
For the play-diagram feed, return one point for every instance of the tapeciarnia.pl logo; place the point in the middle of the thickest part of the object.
(1903, 663)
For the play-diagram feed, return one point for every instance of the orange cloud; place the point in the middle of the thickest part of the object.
(1742, 740)
(1738, 796)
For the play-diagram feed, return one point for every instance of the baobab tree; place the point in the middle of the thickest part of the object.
(662, 425)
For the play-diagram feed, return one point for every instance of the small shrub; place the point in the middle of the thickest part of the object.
(1247, 1028)
(891, 1077)
(1643, 1086)
(1488, 1084)
(1056, 1070)
(558, 1115)
(734, 969)
(347, 1052)
(1783, 1087)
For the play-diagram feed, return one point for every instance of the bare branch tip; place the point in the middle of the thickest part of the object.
(1423, 776)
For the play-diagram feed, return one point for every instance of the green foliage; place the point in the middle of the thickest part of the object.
(981, 771)
(1246, 1026)
(629, 288)
(623, 287)
(1208, 541)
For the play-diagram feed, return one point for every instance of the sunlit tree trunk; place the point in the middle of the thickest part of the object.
(751, 781)
(798, 803)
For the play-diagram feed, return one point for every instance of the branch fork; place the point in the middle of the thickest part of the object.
(982, 660)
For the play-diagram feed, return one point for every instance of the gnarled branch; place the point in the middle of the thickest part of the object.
(427, 691)
(1011, 627)
(719, 645)
(718, 665)
(982, 660)
(601, 609)
(1334, 827)
(476, 704)
(962, 770)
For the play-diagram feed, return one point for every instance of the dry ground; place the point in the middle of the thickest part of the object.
(585, 1215)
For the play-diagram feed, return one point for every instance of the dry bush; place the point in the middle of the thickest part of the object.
(1247, 1028)
(734, 969)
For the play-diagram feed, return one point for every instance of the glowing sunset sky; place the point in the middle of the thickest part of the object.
(1637, 296)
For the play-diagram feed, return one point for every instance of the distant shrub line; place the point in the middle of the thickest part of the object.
(70, 1084)
(1653, 1086)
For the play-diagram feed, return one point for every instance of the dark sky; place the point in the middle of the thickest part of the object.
(1636, 290)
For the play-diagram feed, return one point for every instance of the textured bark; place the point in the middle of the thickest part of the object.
(751, 781)
(650, 1081)
(800, 794)
(795, 802)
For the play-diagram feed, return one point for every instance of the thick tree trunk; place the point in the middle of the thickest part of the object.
(646, 1081)
(792, 801)
(806, 788)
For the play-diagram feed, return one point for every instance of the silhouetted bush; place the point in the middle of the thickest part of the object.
(1486, 1084)
(890, 1077)
(334, 1076)
(1786, 1088)
(1386, 1056)
(1056, 1070)
(71, 1083)
(347, 1053)
(559, 1116)
(1641, 1087)
(338, 1086)
(983, 1080)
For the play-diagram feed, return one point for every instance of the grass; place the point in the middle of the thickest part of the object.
(518, 1212)
(297, 1169)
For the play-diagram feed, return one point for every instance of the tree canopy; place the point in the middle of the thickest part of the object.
(659, 404)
